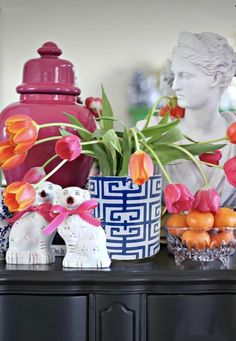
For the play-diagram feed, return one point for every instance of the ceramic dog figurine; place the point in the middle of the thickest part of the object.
(27, 243)
(85, 242)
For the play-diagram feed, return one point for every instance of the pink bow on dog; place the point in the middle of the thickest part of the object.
(84, 211)
(43, 209)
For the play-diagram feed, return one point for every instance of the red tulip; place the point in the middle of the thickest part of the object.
(140, 167)
(206, 200)
(174, 109)
(230, 170)
(231, 133)
(18, 196)
(68, 147)
(212, 157)
(34, 175)
(22, 131)
(95, 105)
(177, 198)
(8, 157)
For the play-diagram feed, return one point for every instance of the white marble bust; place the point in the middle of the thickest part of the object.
(203, 66)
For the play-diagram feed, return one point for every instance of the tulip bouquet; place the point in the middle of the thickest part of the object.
(119, 151)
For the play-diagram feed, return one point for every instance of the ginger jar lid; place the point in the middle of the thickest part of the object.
(48, 74)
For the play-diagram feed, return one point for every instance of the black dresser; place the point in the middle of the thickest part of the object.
(149, 300)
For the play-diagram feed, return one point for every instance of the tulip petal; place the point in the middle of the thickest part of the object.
(14, 161)
(68, 147)
(230, 170)
(15, 127)
(34, 175)
(140, 167)
(16, 118)
(177, 198)
(27, 134)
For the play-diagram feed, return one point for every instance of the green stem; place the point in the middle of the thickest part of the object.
(111, 119)
(137, 146)
(62, 124)
(151, 112)
(90, 142)
(49, 160)
(214, 140)
(51, 173)
(48, 139)
(158, 162)
(193, 159)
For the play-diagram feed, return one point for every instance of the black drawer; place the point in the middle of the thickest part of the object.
(43, 318)
(191, 318)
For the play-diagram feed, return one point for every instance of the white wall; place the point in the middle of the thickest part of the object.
(106, 40)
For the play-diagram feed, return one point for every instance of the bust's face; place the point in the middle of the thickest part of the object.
(191, 85)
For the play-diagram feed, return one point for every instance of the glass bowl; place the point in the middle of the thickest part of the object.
(201, 244)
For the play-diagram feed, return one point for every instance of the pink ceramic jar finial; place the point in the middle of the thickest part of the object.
(47, 91)
(49, 49)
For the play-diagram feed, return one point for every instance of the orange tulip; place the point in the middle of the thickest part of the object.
(18, 196)
(22, 131)
(8, 157)
(140, 167)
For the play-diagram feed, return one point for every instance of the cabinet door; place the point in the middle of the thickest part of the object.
(43, 318)
(191, 318)
(118, 317)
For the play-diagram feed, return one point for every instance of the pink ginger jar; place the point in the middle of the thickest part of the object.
(48, 90)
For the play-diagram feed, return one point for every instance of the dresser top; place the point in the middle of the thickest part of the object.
(158, 274)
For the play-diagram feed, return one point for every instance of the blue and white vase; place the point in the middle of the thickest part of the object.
(130, 215)
(4, 227)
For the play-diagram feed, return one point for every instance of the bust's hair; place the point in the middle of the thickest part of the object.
(211, 52)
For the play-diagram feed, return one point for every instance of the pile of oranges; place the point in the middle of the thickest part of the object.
(200, 230)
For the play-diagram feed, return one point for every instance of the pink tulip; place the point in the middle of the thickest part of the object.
(95, 105)
(177, 198)
(206, 200)
(68, 147)
(213, 157)
(230, 170)
(34, 175)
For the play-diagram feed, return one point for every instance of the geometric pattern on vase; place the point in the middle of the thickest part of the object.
(5, 227)
(130, 215)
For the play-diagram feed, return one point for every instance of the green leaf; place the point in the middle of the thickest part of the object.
(199, 148)
(111, 140)
(98, 133)
(158, 130)
(165, 118)
(64, 132)
(112, 146)
(127, 152)
(106, 111)
(172, 135)
(83, 132)
(168, 154)
(103, 159)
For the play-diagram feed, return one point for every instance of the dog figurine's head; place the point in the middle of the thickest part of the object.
(46, 193)
(71, 197)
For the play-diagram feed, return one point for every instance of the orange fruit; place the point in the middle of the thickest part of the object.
(200, 220)
(198, 240)
(219, 238)
(225, 217)
(174, 222)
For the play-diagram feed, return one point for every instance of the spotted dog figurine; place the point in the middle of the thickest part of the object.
(85, 243)
(27, 243)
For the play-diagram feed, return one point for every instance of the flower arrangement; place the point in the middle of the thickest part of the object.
(118, 151)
